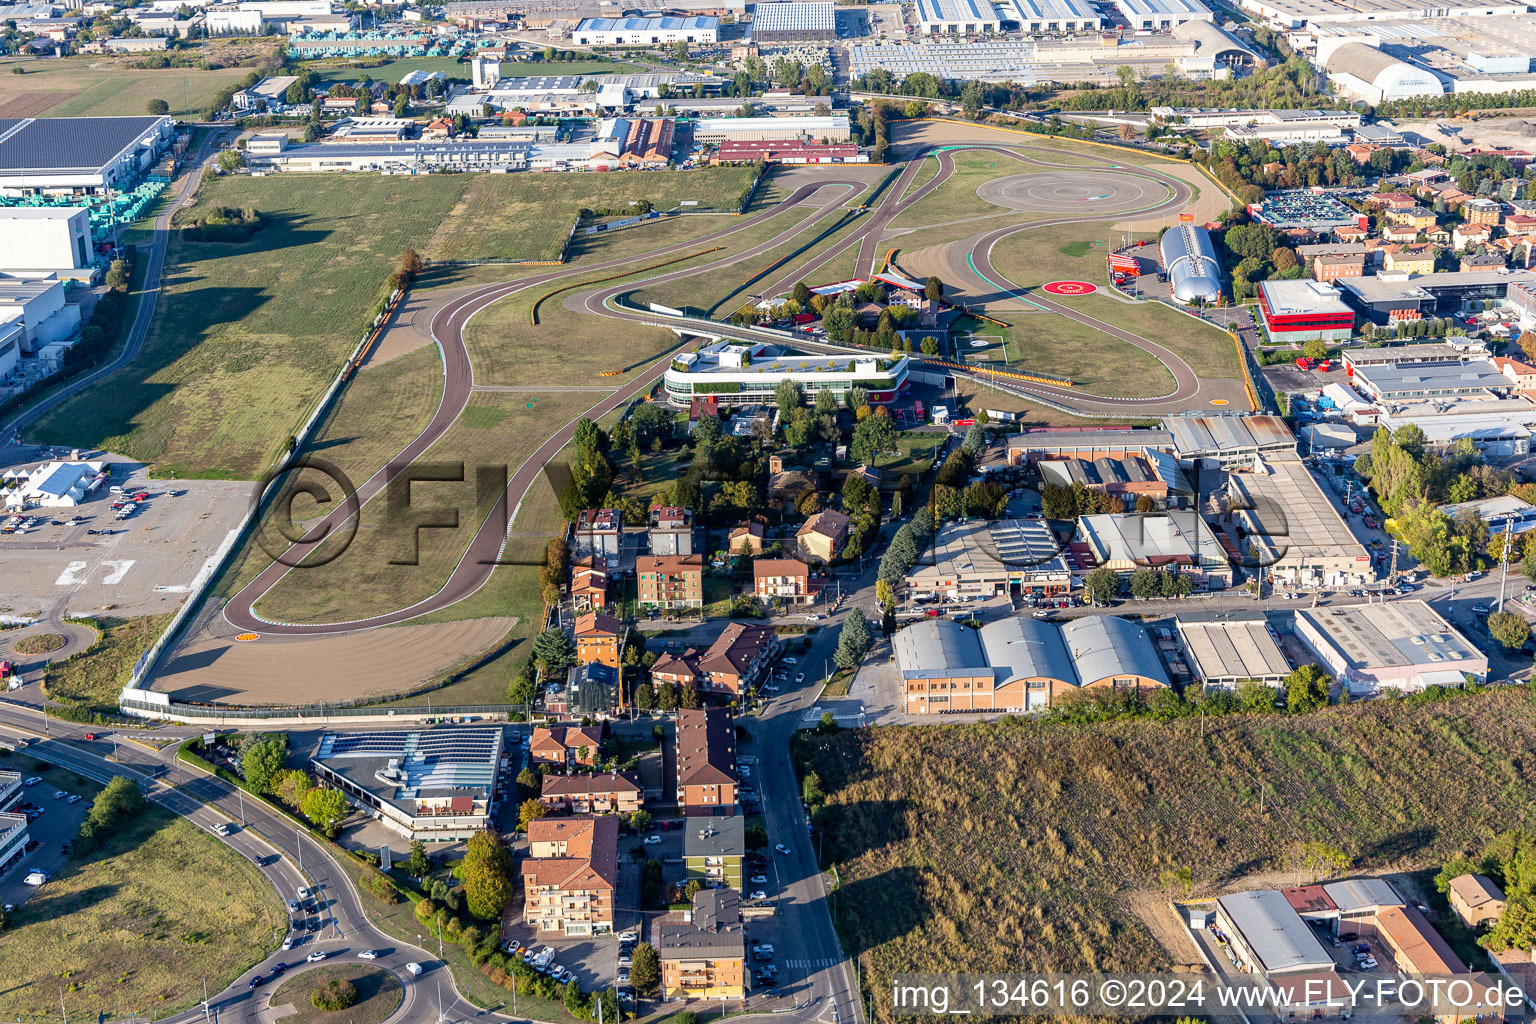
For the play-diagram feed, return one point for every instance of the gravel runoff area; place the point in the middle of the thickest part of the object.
(147, 564)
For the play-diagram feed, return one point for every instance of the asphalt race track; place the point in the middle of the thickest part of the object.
(1101, 193)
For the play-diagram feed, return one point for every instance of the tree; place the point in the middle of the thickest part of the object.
(929, 346)
(553, 650)
(756, 837)
(1306, 689)
(788, 397)
(853, 641)
(1318, 861)
(640, 820)
(262, 759)
(1316, 348)
(1509, 629)
(1103, 584)
(530, 809)
(971, 100)
(325, 807)
(231, 160)
(418, 864)
(159, 107)
(523, 688)
(644, 968)
(487, 875)
(871, 438)
(811, 791)
(933, 290)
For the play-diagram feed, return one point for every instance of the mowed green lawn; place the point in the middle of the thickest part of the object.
(136, 927)
(1066, 252)
(248, 336)
(528, 216)
(370, 576)
(1054, 345)
(72, 88)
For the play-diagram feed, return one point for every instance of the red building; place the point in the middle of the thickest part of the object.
(1303, 309)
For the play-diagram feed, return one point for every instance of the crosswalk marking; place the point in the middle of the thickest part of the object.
(813, 964)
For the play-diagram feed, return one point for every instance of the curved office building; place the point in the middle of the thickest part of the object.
(1189, 259)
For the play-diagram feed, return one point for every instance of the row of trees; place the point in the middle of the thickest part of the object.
(263, 764)
(1305, 689)
(1103, 584)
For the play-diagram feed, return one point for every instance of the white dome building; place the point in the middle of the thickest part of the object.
(1366, 73)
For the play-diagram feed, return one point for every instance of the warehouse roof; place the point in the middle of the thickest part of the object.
(937, 646)
(955, 10)
(1151, 540)
(1289, 517)
(996, 547)
(663, 24)
(1301, 296)
(1195, 436)
(1188, 8)
(1027, 649)
(1400, 634)
(1047, 10)
(1400, 378)
(69, 143)
(1103, 646)
(803, 16)
(1231, 650)
(1280, 939)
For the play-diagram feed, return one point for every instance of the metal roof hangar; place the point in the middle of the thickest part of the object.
(1189, 259)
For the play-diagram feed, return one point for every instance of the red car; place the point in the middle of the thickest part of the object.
(1370, 524)
(141, 496)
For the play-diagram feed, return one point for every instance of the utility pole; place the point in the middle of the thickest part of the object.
(63, 1011)
(205, 999)
(1392, 573)
(1509, 542)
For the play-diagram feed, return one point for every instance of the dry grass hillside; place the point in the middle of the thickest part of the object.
(1022, 845)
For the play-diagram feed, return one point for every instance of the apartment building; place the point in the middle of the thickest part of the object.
(714, 849)
(565, 746)
(739, 658)
(670, 581)
(671, 531)
(704, 955)
(706, 762)
(570, 874)
(610, 793)
(823, 535)
(598, 638)
(599, 531)
(784, 579)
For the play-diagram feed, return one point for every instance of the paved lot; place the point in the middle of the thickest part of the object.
(53, 828)
(144, 567)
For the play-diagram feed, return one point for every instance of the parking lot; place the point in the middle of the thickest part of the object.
(139, 565)
(54, 823)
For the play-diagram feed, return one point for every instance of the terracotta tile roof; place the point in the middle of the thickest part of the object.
(779, 567)
(737, 647)
(1420, 949)
(598, 624)
(591, 858)
(587, 785)
(706, 747)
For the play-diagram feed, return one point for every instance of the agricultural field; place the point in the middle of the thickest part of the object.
(374, 573)
(136, 926)
(73, 88)
(527, 216)
(1026, 845)
(249, 335)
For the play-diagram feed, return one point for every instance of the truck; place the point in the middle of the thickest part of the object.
(1303, 363)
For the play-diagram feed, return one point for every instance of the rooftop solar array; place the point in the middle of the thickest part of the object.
(68, 143)
(412, 764)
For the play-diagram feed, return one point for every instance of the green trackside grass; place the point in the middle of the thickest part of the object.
(137, 926)
(249, 335)
(378, 994)
(1055, 345)
(1068, 252)
(72, 88)
(1028, 846)
(973, 396)
(378, 413)
(95, 677)
(362, 581)
(527, 216)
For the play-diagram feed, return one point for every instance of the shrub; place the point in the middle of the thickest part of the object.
(334, 995)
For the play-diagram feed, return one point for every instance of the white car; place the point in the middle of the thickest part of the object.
(813, 617)
(36, 877)
(781, 848)
(59, 794)
(791, 661)
(413, 967)
(758, 879)
(34, 780)
(367, 954)
(799, 677)
(652, 840)
(757, 895)
(288, 942)
(316, 956)
(629, 937)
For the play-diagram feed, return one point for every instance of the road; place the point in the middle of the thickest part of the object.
(286, 856)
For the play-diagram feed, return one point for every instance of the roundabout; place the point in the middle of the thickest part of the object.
(1087, 192)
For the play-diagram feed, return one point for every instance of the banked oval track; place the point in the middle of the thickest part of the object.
(448, 323)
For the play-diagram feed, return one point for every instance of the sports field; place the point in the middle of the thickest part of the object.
(249, 335)
(527, 216)
(72, 88)
(136, 927)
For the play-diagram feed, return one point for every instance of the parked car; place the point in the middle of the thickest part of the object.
(781, 848)
(758, 879)
(756, 894)
(652, 840)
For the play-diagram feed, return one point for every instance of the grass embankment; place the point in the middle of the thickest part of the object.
(136, 926)
(1027, 846)
(373, 575)
(93, 679)
(249, 335)
(378, 995)
(527, 216)
(73, 88)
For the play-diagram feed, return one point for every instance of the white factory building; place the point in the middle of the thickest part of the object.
(38, 305)
(957, 17)
(833, 128)
(56, 484)
(1051, 17)
(44, 239)
(1161, 15)
(645, 31)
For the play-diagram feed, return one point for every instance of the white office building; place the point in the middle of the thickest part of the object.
(47, 239)
(645, 31)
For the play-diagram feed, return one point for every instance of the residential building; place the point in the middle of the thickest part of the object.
(704, 955)
(570, 875)
(739, 658)
(823, 536)
(1402, 645)
(671, 531)
(1483, 211)
(782, 579)
(670, 581)
(787, 485)
(610, 793)
(1416, 217)
(1329, 268)
(1020, 664)
(13, 840)
(1475, 899)
(598, 638)
(565, 746)
(1522, 373)
(589, 584)
(749, 534)
(433, 785)
(599, 531)
(706, 762)
(714, 848)
(1463, 235)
